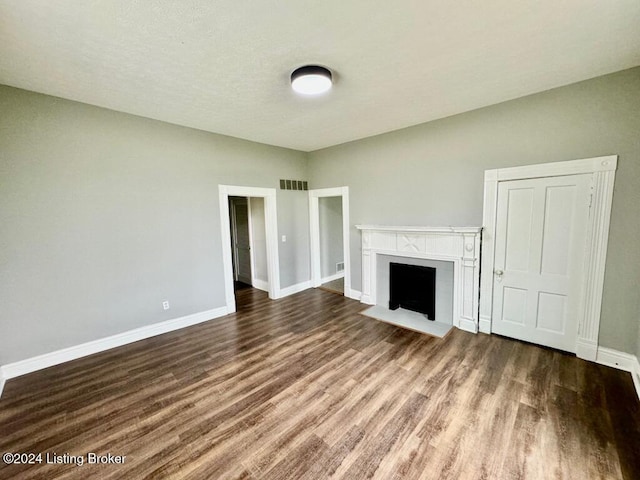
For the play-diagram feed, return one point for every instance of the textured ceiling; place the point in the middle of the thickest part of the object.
(223, 65)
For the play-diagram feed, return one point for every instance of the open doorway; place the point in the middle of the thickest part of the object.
(249, 240)
(248, 243)
(329, 222)
(331, 244)
(240, 241)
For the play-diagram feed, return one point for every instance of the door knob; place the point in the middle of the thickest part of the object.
(498, 274)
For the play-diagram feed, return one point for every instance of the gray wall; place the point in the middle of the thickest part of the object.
(104, 215)
(432, 174)
(638, 344)
(331, 239)
(259, 239)
(293, 222)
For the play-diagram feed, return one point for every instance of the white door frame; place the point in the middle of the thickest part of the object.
(251, 249)
(271, 231)
(255, 282)
(603, 170)
(314, 224)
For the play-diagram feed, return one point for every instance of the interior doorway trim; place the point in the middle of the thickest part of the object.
(271, 232)
(603, 171)
(314, 223)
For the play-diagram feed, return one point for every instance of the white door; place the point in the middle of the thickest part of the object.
(539, 258)
(241, 238)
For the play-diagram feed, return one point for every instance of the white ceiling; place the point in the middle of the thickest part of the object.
(224, 65)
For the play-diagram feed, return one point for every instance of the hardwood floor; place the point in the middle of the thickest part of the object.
(305, 388)
(335, 286)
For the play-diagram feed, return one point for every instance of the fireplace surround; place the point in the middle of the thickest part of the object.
(459, 245)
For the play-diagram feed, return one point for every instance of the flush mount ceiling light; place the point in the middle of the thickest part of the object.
(311, 80)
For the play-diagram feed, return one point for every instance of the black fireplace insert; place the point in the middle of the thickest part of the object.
(413, 287)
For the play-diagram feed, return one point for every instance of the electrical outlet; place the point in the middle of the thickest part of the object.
(165, 304)
(284, 238)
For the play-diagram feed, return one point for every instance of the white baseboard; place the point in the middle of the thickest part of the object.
(587, 350)
(2, 380)
(353, 294)
(298, 287)
(635, 374)
(621, 361)
(40, 362)
(331, 278)
(468, 325)
(260, 284)
(485, 324)
(366, 299)
(616, 359)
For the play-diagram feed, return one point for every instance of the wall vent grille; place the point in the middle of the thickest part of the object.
(294, 185)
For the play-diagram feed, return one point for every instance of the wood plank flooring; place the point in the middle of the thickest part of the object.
(305, 388)
(335, 286)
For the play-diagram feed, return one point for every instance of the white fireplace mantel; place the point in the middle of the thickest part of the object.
(460, 245)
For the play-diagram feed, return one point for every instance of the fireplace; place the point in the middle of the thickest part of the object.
(458, 247)
(413, 287)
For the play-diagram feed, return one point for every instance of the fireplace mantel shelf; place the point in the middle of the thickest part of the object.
(460, 245)
(388, 228)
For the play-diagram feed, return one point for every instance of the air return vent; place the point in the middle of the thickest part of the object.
(294, 185)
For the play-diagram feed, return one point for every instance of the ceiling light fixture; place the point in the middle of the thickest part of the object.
(311, 80)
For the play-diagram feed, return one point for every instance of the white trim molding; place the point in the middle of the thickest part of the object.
(271, 231)
(2, 381)
(616, 359)
(252, 260)
(293, 289)
(635, 374)
(314, 226)
(333, 277)
(353, 294)
(603, 171)
(260, 284)
(460, 245)
(485, 324)
(57, 357)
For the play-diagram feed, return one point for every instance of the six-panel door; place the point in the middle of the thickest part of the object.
(539, 258)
